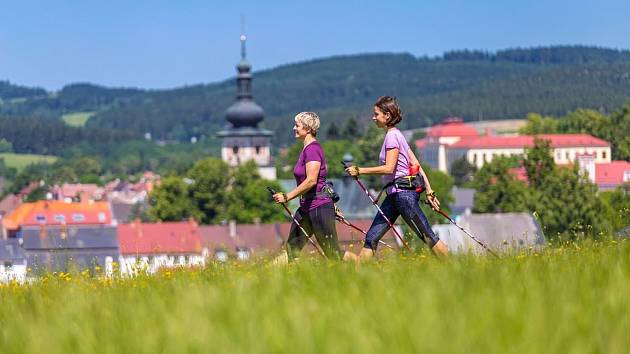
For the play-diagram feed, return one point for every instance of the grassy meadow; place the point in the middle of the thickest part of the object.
(573, 298)
(19, 161)
(77, 119)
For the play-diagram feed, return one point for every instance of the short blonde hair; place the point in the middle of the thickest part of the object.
(309, 120)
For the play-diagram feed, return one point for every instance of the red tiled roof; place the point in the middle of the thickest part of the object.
(74, 189)
(217, 237)
(452, 127)
(9, 203)
(260, 237)
(420, 143)
(611, 173)
(55, 213)
(519, 173)
(557, 140)
(159, 238)
(269, 238)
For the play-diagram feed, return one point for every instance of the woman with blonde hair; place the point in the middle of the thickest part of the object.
(395, 159)
(316, 213)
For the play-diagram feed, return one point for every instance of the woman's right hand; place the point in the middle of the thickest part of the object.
(352, 171)
(433, 200)
(280, 198)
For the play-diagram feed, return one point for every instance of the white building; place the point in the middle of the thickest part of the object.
(148, 247)
(12, 261)
(453, 139)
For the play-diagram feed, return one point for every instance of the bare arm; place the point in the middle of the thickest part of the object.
(312, 172)
(412, 156)
(435, 203)
(391, 157)
(414, 161)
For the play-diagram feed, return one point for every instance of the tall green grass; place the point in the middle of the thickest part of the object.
(569, 299)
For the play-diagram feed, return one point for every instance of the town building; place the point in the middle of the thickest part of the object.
(243, 140)
(12, 261)
(60, 236)
(503, 232)
(148, 247)
(453, 139)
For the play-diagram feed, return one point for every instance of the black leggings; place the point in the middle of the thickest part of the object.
(319, 221)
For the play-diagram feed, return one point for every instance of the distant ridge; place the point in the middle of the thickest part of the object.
(469, 83)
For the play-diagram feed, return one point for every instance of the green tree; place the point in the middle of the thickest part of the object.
(351, 129)
(286, 160)
(209, 183)
(5, 146)
(335, 150)
(462, 171)
(617, 207)
(369, 148)
(332, 133)
(587, 121)
(537, 124)
(621, 133)
(539, 162)
(497, 190)
(442, 184)
(249, 200)
(567, 205)
(172, 200)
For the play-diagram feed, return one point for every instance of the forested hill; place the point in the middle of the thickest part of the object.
(10, 92)
(471, 84)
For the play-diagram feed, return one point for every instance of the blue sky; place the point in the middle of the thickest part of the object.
(163, 44)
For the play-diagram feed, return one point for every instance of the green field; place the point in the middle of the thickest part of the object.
(77, 119)
(19, 161)
(569, 299)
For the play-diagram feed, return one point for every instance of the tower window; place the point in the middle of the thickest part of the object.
(257, 149)
(603, 154)
(235, 149)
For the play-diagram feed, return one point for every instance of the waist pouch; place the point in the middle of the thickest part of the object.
(327, 191)
(410, 183)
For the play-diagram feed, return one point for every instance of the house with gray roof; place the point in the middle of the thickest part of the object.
(75, 247)
(12, 261)
(506, 232)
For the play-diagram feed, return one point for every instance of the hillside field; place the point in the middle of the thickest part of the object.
(19, 161)
(77, 119)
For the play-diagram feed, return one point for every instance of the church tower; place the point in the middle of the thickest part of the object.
(243, 140)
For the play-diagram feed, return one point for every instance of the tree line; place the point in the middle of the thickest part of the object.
(562, 199)
(511, 84)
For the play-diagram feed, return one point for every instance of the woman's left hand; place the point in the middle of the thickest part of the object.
(280, 198)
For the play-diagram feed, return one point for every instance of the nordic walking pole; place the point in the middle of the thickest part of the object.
(444, 214)
(391, 225)
(348, 223)
(284, 205)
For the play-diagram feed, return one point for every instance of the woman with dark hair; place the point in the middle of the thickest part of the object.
(396, 158)
(316, 213)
